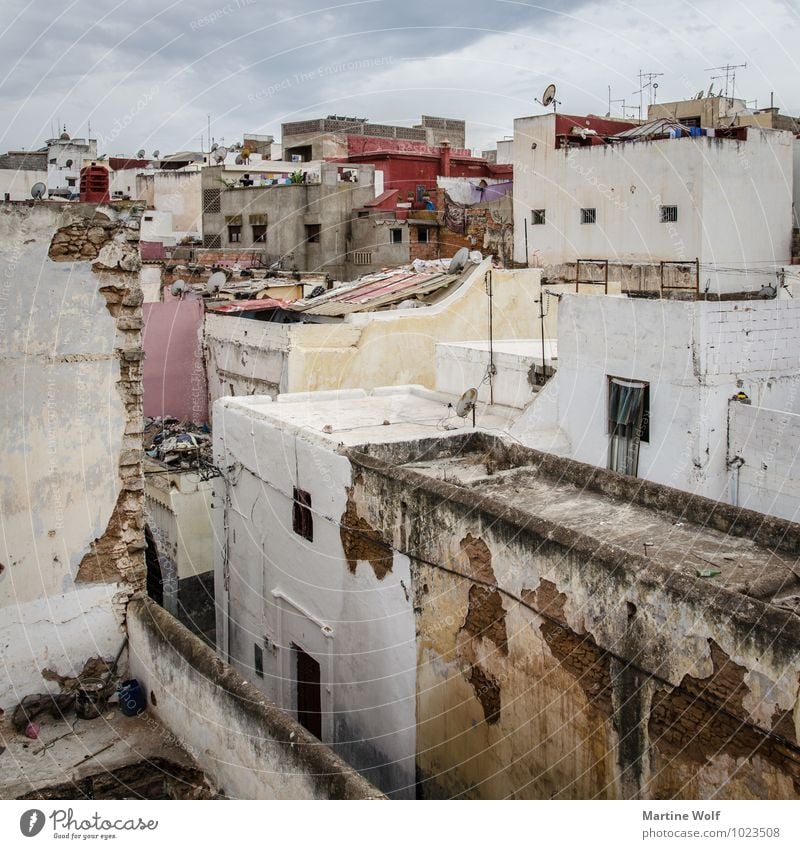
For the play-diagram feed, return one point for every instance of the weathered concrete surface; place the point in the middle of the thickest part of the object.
(245, 744)
(555, 659)
(71, 487)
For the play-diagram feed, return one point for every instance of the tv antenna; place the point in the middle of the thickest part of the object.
(647, 80)
(729, 75)
(549, 98)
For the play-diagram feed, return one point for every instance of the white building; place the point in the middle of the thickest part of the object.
(311, 609)
(643, 198)
(65, 158)
(703, 396)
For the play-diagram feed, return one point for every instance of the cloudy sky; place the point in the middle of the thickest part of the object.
(146, 73)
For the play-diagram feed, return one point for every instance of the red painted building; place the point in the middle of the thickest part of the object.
(408, 165)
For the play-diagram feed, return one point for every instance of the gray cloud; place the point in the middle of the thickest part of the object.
(146, 74)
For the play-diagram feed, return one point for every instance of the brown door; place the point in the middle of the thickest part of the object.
(309, 693)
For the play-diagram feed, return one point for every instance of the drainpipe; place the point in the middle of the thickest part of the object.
(444, 158)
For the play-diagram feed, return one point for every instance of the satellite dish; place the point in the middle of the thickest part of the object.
(458, 262)
(549, 95)
(140, 154)
(38, 190)
(239, 160)
(68, 163)
(466, 403)
(214, 147)
(216, 282)
(710, 89)
(156, 154)
(178, 288)
(220, 154)
(476, 257)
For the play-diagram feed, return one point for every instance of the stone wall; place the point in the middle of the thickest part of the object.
(72, 494)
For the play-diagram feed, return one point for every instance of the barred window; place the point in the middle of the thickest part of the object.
(537, 216)
(211, 240)
(589, 216)
(669, 214)
(212, 200)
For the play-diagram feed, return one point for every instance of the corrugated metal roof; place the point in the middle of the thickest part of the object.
(658, 127)
(374, 291)
(250, 306)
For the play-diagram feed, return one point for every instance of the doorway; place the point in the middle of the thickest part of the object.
(309, 691)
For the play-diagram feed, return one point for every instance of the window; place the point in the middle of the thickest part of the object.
(312, 233)
(423, 235)
(396, 236)
(362, 258)
(669, 214)
(234, 233)
(302, 520)
(628, 423)
(212, 240)
(693, 121)
(588, 216)
(258, 660)
(308, 680)
(212, 200)
(259, 234)
(70, 181)
(537, 216)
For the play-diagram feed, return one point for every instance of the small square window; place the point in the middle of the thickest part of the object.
(70, 181)
(302, 520)
(537, 216)
(396, 236)
(589, 216)
(312, 232)
(259, 234)
(422, 235)
(258, 660)
(234, 233)
(669, 214)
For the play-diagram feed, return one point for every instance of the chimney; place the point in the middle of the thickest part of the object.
(444, 158)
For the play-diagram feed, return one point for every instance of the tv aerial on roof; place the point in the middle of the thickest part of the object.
(549, 97)
(38, 190)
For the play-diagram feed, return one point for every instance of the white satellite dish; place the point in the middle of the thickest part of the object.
(38, 190)
(156, 154)
(239, 160)
(220, 154)
(466, 404)
(476, 257)
(458, 262)
(178, 288)
(549, 95)
(216, 282)
(214, 147)
(140, 154)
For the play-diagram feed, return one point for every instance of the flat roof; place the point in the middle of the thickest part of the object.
(356, 416)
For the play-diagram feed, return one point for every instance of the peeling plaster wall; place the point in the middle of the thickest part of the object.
(552, 666)
(71, 487)
(342, 597)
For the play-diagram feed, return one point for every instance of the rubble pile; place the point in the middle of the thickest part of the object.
(176, 443)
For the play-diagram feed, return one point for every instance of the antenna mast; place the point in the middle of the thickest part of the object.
(647, 80)
(729, 75)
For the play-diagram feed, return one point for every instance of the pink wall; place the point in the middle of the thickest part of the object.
(174, 371)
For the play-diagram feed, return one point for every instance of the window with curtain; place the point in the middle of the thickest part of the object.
(628, 423)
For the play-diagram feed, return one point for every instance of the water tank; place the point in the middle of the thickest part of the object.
(94, 184)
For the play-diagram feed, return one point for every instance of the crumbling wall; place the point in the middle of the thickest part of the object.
(71, 495)
(550, 665)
